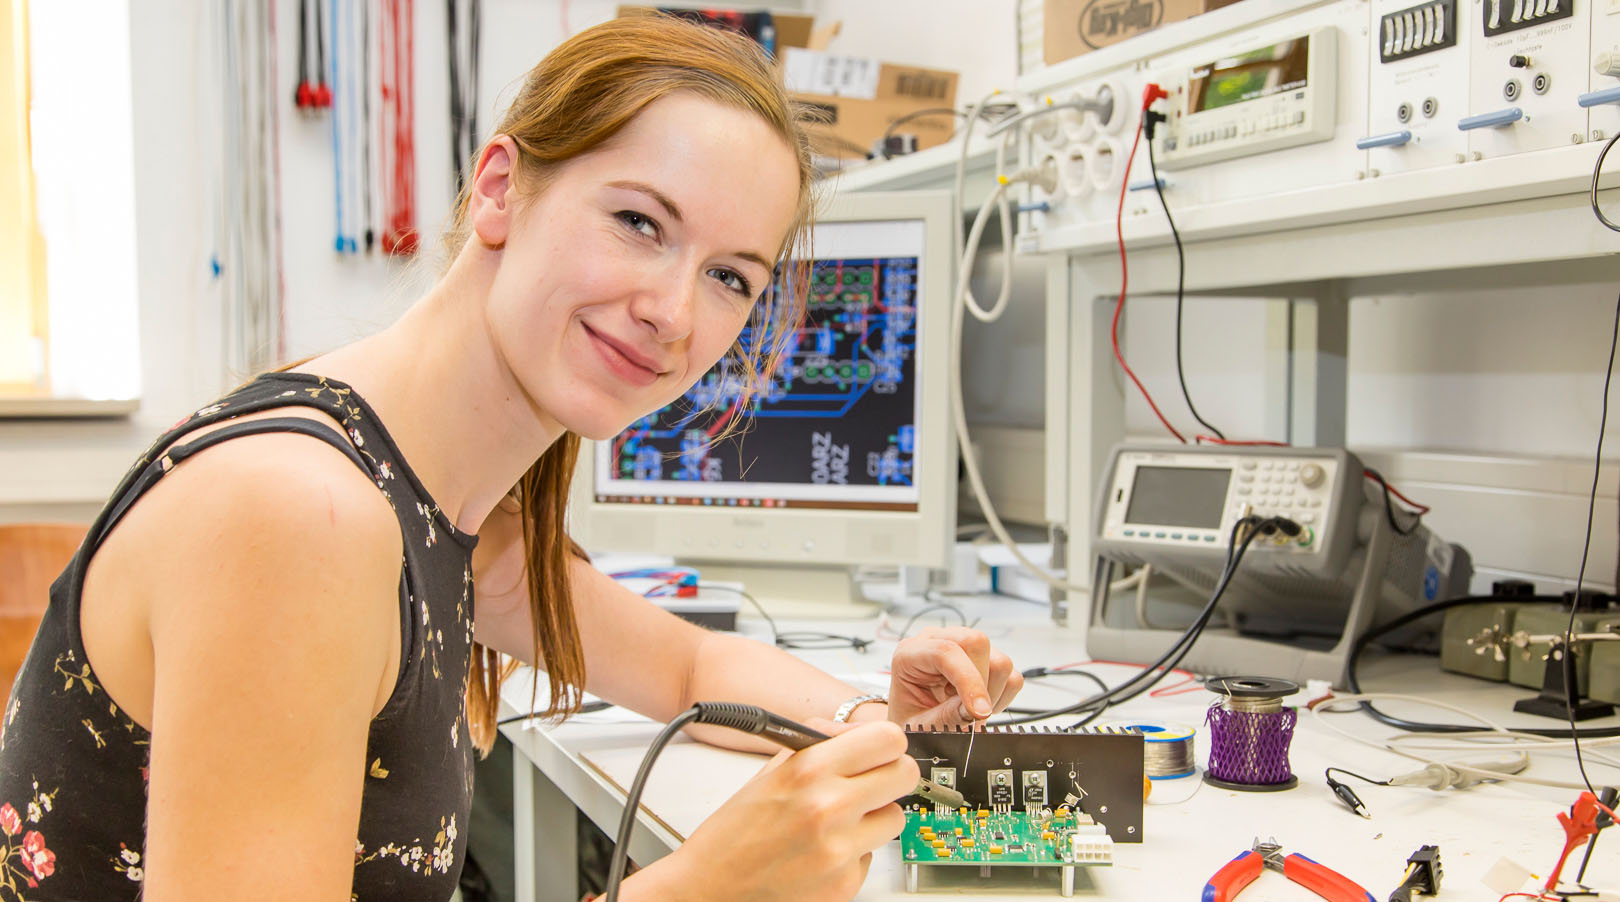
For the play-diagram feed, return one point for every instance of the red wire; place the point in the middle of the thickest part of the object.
(399, 148)
(1119, 307)
(1217, 440)
(1421, 508)
(1180, 688)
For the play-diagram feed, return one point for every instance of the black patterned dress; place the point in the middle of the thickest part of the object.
(73, 766)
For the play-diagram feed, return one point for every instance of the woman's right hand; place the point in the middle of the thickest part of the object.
(803, 829)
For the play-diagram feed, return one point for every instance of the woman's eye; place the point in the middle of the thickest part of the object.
(639, 222)
(733, 281)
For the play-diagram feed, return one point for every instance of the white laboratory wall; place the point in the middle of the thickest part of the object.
(1483, 403)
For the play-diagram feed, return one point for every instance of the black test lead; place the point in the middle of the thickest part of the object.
(1346, 794)
(1349, 797)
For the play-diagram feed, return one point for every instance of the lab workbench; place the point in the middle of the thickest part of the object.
(1191, 829)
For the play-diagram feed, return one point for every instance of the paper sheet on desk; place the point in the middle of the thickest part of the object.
(687, 784)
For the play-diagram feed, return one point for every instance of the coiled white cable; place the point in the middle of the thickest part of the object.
(970, 461)
(1524, 744)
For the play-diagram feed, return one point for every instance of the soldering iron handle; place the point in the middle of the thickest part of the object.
(1325, 882)
(758, 721)
(1231, 879)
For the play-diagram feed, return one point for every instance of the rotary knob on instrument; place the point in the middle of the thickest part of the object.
(1607, 64)
(1311, 475)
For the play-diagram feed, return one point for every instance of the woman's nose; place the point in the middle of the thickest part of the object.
(666, 305)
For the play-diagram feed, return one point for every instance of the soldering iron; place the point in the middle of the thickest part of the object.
(750, 719)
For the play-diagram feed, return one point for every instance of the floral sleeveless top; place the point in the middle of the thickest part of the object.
(73, 766)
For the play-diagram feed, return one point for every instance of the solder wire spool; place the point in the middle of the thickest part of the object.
(1250, 732)
(1167, 748)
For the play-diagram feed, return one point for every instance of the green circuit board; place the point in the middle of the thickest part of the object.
(1013, 838)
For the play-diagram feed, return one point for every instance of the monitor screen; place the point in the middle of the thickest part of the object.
(837, 427)
(1178, 496)
(847, 455)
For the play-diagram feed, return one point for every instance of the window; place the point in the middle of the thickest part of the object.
(23, 311)
(69, 328)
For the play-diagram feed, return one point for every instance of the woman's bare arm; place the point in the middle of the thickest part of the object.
(274, 606)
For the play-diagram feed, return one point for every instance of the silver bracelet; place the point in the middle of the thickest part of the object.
(848, 708)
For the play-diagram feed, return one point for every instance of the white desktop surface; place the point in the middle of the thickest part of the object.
(1191, 829)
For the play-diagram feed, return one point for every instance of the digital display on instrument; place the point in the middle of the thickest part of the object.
(1178, 496)
(1284, 66)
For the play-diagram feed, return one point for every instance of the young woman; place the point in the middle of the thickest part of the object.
(266, 672)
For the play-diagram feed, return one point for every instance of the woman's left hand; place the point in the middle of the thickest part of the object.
(949, 676)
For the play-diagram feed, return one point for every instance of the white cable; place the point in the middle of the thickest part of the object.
(968, 255)
(1531, 742)
(970, 460)
(1145, 572)
(971, 250)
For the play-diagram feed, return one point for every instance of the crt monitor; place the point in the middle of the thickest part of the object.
(849, 457)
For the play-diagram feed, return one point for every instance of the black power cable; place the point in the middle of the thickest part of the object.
(794, 640)
(1597, 468)
(1150, 675)
(1037, 673)
(587, 708)
(1591, 504)
(1366, 638)
(1597, 169)
(1181, 272)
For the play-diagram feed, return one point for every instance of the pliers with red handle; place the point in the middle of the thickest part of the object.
(1320, 879)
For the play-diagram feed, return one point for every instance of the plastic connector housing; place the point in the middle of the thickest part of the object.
(1091, 844)
(1152, 92)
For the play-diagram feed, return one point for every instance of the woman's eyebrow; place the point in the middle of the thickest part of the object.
(674, 211)
(662, 198)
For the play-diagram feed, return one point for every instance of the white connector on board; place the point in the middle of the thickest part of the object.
(1090, 844)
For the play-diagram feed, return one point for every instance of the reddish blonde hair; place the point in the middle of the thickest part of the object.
(575, 101)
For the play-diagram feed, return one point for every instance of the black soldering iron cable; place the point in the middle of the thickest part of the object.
(619, 862)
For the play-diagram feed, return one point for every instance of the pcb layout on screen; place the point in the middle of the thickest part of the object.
(836, 426)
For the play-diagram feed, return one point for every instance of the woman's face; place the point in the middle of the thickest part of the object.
(633, 271)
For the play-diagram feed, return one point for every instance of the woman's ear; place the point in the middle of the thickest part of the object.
(492, 198)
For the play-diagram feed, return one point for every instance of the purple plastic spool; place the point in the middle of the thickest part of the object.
(1250, 733)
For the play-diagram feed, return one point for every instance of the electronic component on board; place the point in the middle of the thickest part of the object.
(1021, 839)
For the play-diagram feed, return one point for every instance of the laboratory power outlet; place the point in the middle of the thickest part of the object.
(1292, 108)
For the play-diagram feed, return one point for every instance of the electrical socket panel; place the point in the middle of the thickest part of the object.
(1418, 84)
(1528, 64)
(1090, 150)
(1604, 118)
(1430, 86)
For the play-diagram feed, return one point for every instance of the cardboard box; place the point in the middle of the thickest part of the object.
(1073, 27)
(858, 98)
(855, 98)
(792, 30)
